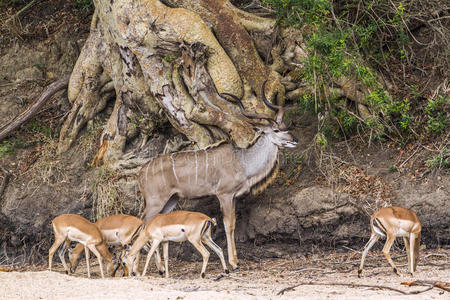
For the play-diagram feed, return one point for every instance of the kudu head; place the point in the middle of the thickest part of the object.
(276, 130)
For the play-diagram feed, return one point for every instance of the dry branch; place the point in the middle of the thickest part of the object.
(222, 275)
(290, 288)
(34, 108)
(24, 9)
(442, 285)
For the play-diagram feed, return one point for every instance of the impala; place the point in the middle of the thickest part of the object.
(392, 222)
(177, 226)
(222, 170)
(117, 230)
(75, 228)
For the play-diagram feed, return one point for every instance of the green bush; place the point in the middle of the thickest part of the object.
(350, 39)
(440, 161)
(437, 119)
(7, 147)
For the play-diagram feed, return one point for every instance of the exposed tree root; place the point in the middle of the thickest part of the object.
(169, 61)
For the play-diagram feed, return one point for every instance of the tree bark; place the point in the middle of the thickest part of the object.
(172, 61)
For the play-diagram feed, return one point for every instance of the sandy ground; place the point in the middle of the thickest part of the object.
(263, 279)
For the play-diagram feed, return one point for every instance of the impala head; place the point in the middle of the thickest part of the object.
(276, 131)
(127, 261)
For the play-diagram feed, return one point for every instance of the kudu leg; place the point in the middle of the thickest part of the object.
(229, 221)
(153, 207)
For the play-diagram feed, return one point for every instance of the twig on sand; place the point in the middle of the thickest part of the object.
(435, 254)
(229, 276)
(440, 284)
(290, 288)
(191, 289)
(348, 248)
(307, 269)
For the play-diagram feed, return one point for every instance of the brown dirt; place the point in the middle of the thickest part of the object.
(263, 279)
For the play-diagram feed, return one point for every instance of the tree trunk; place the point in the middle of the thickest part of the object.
(173, 61)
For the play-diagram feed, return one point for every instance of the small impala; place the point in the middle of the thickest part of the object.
(75, 228)
(117, 230)
(177, 226)
(392, 222)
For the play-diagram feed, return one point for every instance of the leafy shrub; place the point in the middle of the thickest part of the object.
(348, 39)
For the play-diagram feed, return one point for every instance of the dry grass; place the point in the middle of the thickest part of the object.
(108, 196)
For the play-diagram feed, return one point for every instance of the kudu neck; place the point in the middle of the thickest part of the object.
(259, 157)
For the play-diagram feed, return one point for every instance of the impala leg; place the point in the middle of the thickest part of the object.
(373, 238)
(62, 252)
(158, 262)
(229, 221)
(135, 268)
(52, 250)
(387, 247)
(416, 250)
(86, 254)
(155, 245)
(166, 257)
(204, 252)
(211, 244)
(408, 253)
(93, 248)
(411, 263)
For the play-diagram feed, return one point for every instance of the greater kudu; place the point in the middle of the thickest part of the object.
(224, 171)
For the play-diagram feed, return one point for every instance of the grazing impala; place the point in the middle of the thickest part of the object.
(177, 226)
(392, 222)
(224, 171)
(75, 228)
(117, 230)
